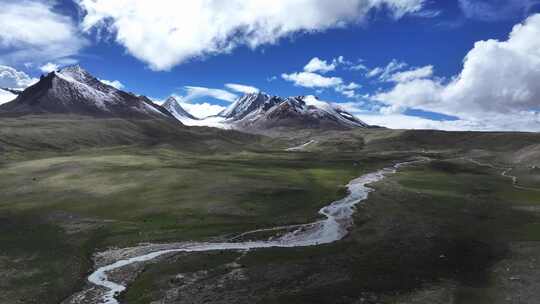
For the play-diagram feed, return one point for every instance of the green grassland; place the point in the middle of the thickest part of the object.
(57, 211)
(72, 186)
(429, 234)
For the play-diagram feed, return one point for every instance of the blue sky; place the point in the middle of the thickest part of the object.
(421, 44)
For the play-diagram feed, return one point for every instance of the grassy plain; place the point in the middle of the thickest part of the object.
(56, 212)
(434, 233)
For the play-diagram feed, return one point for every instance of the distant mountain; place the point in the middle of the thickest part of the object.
(173, 106)
(260, 111)
(299, 112)
(249, 104)
(73, 90)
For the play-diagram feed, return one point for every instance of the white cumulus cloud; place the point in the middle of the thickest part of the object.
(359, 67)
(528, 122)
(193, 92)
(12, 78)
(418, 73)
(494, 10)
(525, 121)
(318, 65)
(498, 79)
(164, 33)
(241, 88)
(49, 67)
(113, 83)
(384, 73)
(32, 30)
(312, 80)
(348, 90)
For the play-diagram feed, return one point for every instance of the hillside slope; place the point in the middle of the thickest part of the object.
(73, 90)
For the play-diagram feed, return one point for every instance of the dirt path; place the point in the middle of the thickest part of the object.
(505, 173)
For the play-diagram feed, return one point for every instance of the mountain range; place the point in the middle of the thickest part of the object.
(73, 90)
(259, 111)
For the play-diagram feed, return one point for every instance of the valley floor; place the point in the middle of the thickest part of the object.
(445, 232)
(448, 231)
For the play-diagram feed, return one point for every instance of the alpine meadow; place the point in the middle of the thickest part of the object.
(269, 151)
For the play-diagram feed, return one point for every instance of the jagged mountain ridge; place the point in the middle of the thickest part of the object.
(261, 111)
(173, 106)
(73, 90)
(248, 104)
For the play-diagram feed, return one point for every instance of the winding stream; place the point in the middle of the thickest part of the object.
(338, 218)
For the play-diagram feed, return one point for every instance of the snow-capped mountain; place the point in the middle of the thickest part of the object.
(6, 96)
(73, 90)
(248, 105)
(259, 111)
(304, 112)
(173, 106)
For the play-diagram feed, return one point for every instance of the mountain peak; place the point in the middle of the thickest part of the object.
(76, 68)
(261, 111)
(75, 73)
(255, 94)
(249, 103)
(171, 99)
(173, 106)
(73, 90)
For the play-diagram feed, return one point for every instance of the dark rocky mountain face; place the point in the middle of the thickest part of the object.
(75, 91)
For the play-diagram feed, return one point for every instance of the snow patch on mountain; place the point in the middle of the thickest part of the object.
(6, 96)
(81, 88)
(334, 110)
(247, 104)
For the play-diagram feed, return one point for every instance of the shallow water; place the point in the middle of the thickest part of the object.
(338, 217)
